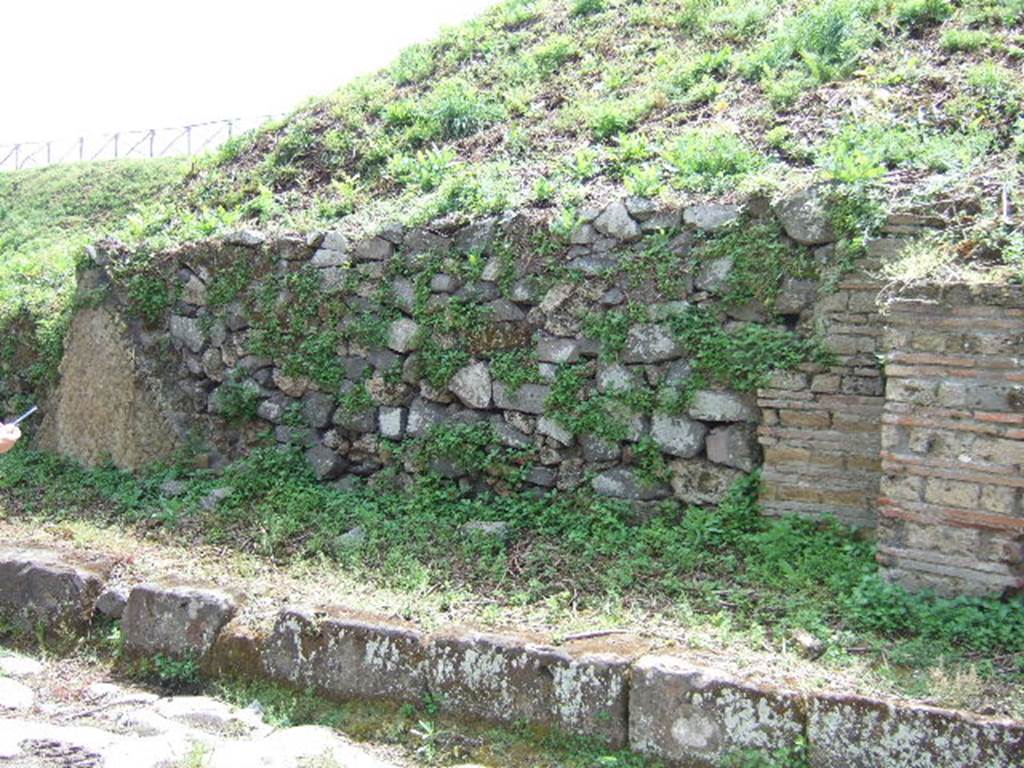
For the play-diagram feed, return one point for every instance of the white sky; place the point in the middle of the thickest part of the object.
(84, 67)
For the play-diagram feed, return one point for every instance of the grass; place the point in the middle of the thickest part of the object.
(764, 578)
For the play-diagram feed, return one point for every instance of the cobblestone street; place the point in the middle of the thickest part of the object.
(64, 715)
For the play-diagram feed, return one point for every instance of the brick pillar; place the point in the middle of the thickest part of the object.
(820, 430)
(951, 516)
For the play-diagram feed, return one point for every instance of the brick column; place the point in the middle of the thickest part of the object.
(820, 432)
(951, 517)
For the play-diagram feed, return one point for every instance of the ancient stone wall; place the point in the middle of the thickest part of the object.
(567, 357)
(951, 517)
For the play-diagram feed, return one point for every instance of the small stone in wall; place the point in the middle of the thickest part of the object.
(614, 377)
(616, 222)
(272, 410)
(293, 386)
(529, 398)
(711, 216)
(317, 409)
(622, 483)
(194, 292)
(472, 385)
(735, 446)
(650, 344)
(245, 237)
(212, 500)
(715, 405)
(326, 464)
(696, 481)
(714, 277)
(553, 349)
(391, 422)
(404, 335)
(598, 449)
(678, 435)
(112, 601)
(804, 217)
(551, 428)
(373, 249)
(423, 415)
(188, 331)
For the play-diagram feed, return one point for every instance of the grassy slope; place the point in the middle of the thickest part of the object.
(563, 103)
(48, 215)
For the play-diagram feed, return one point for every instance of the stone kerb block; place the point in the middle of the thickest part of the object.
(41, 586)
(698, 717)
(179, 621)
(846, 731)
(505, 679)
(345, 657)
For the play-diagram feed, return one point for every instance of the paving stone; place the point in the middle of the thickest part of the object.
(507, 680)
(846, 731)
(346, 657)
(700, 717)
(177, 621)
(41, 586)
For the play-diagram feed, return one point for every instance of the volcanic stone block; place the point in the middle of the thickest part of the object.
(177, 621)
(505, 679)
(40, 586)
(847, 731)
(699, 717)
(345, 657)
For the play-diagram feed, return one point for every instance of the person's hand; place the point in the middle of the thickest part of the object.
(9, 435)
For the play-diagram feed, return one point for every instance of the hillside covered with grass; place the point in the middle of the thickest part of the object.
(914, 105)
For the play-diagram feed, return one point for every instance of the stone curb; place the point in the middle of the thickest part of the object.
(658, 705)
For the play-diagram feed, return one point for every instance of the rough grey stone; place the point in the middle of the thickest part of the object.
(551, 428)
(712, 405)
(272, 410)
(444, 283)
(478, 292)
(529, 398)
(697, 481)
(584, 234)
(112, 601)
(616, 222)
(476, 237)
(423, 415)
(710, 216)
(667, 310)
(176, 621)
(804, 217)
(392, 422)
(735, 446)
(403, 293)
(331, 258)
(622, 483)
(796, 295)
(714, 276)
(472, 385)
(373, 249)
(317, 409)
(669, 218)
(678, 435)
(404, 335)
(545, 477)
(641, 208)
(326, 464)
(39, 586)
(612, 297)
(194, 292)
(189, 332)
(504, 311)
(245, 237)
(598, 449)
(289, 435)
(554, 349)
(650, 344)
(614, 377)
(694, 716)
(511, 437)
